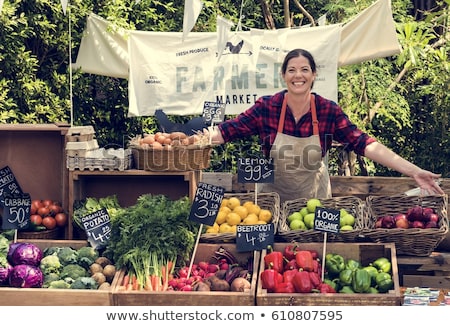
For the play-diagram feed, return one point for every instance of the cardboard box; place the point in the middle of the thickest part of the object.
(54, 297)
(363, 252)
(178, 298)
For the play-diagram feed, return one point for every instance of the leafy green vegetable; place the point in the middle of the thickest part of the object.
(86, 283)
(50, 264)
(87, 256)
(67, 256)
(59, 284)
(73, 271)
(91, 205)
(154, 226)
(4, 245)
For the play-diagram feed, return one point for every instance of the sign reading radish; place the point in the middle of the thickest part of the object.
(206, 203)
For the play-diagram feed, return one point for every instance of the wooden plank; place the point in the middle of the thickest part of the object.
(442, 282)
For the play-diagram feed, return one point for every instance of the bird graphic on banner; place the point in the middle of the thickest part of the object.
(189, 128)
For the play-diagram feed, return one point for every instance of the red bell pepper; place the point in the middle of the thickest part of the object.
(291, 264)
(304, 260)
(288, 275)
(285, 287)
(302, 282)
(316, 266)
(289, 251)
(274, 260)
(316, 280)
(270, 279)
(326, 288)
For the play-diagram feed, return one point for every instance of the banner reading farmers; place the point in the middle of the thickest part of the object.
(178, 77)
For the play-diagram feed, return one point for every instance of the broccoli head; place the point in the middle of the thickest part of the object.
(59, 284)
(50, 264)
(87, 256)
(73, 271)
(67, 256)
(84, 283)
(49, 278)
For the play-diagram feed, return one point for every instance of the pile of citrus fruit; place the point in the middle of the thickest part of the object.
(233, 212)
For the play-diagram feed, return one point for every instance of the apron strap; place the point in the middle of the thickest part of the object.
(315, 122)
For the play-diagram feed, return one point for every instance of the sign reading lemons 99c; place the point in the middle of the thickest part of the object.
(206, 205)
(255, 170)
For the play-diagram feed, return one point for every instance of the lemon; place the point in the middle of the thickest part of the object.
(224, 203)
(233, 202)
(225, 228)
(233, 219)
(265, 215)
(221, 217)
(225, 209)
(251, 219)
(241, 211)
(211, 230)
(233, 228)
(247, 204)
(261, 222)
(254, 208)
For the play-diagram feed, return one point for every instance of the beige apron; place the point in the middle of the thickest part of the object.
(299, 171)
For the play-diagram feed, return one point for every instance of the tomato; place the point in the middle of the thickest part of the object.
(36, 219)
(49, 222)
(43, 211)
(61, 219)
(47, 202)
(55, 209)
(35, 204)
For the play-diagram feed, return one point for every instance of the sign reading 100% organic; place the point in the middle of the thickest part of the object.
(327, 220)
(255, 170)
(206, 203)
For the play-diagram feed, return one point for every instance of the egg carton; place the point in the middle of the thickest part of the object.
(80, 134)
(82, 148)
(102, 160)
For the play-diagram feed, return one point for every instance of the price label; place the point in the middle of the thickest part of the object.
(254, 237)
(255, 170)
(206, 203)
(16, 212)
(327, 220)
(97, 226)
(213, 112)
(8, 184)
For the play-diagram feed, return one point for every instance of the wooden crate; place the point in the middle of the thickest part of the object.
(178, 298)
(54, 297)
(363, 252)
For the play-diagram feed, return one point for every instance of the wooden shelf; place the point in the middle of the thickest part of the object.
(128, 185)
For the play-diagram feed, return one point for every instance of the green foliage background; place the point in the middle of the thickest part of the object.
(401, 100)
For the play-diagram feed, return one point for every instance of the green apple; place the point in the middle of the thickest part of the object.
(304, 211)
(343, 212)
(295, 216)
(312, 203)
(297, 224)
(347, 219)
(347, 228)
(309, 220)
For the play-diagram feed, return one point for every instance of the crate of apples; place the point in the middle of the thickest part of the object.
(47, 214)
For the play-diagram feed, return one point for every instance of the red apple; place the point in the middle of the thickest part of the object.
(431, 224)
(415, 213)
(378, 223)
(433, 217)
(418, 224)
(388, 222)
(401, 221)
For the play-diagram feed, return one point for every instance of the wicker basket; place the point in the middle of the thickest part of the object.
(46, 234)
(269, 200)
(351, 204)
(183, 158)
(412, 241)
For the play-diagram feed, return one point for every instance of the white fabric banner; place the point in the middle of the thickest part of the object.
(103, 49)
(370, 35)
(178, 77)
(64, 5)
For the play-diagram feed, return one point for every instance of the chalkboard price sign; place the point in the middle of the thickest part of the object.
(206, 203)
(255, 170)
(213, 112)
(327, 220)
(98, 228)
(16, 211)
(254, 237)
(8, 184)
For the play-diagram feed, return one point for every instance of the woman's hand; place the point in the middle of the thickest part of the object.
(427, 182)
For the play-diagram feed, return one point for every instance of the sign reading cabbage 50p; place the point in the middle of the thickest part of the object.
(179, 77)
